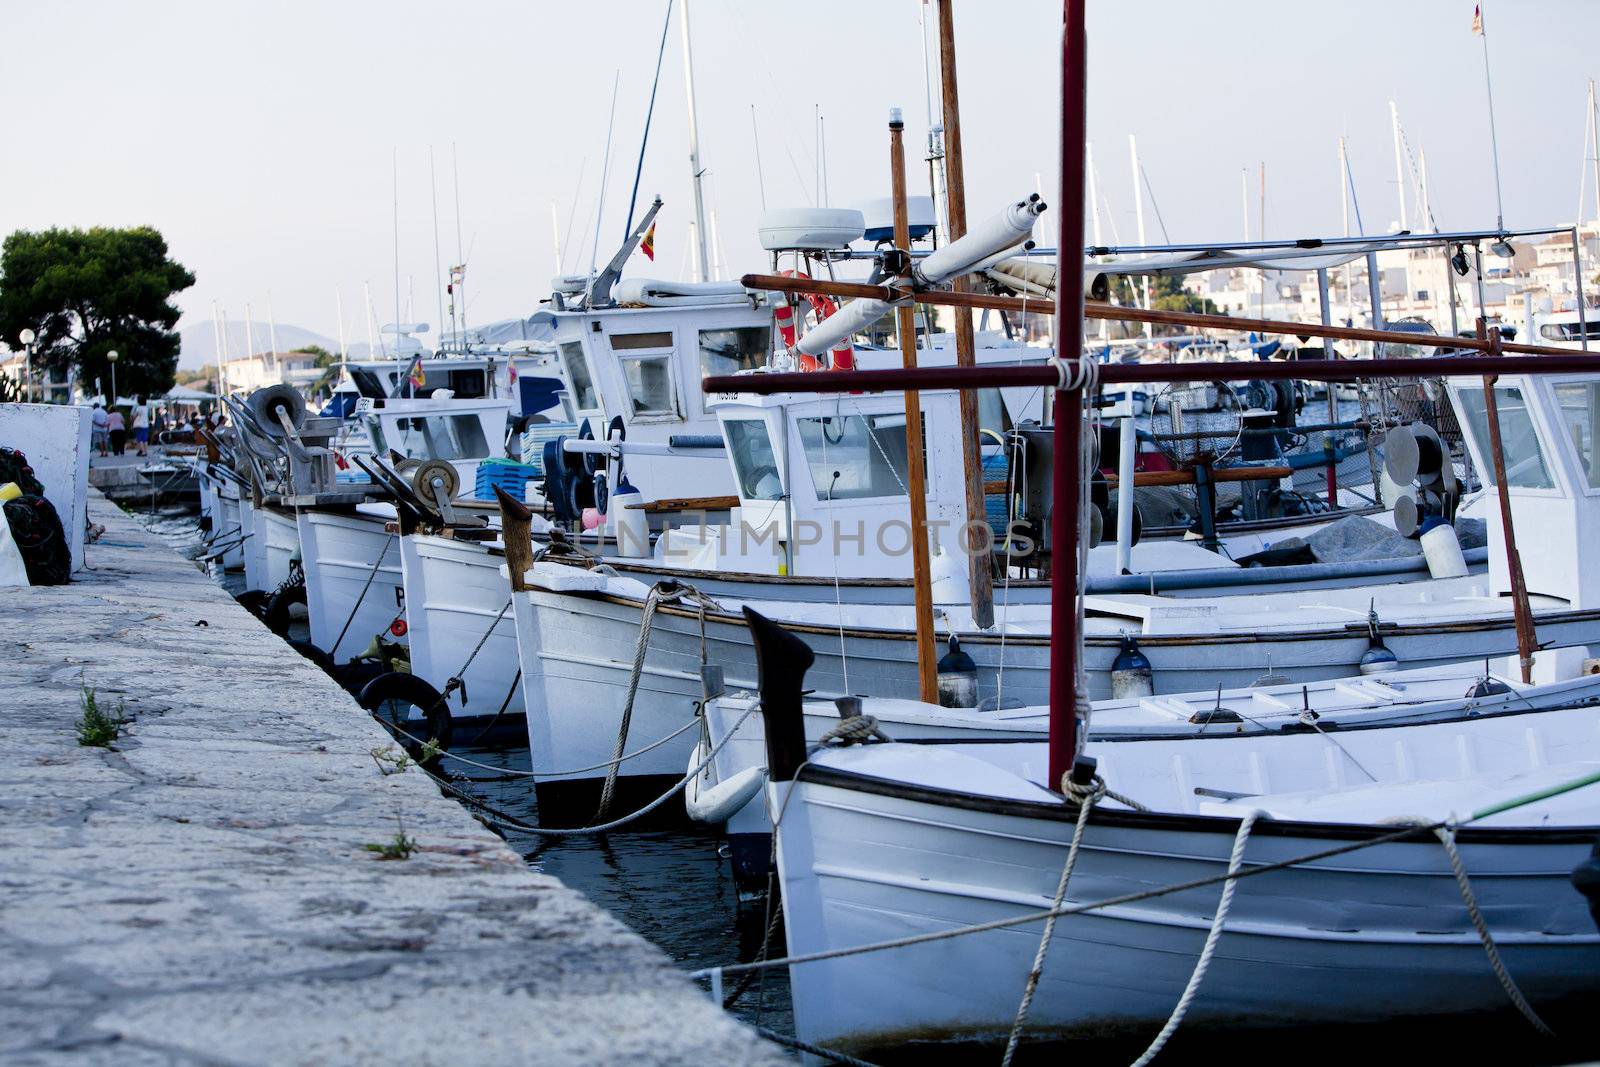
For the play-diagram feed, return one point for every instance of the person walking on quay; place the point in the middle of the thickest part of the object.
(100, 421)
(141, 426)
(118, 431)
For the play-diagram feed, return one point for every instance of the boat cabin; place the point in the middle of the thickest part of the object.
(1547, 430)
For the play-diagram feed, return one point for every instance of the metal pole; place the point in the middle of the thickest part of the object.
(1577, 283)
(1450, 284)
(703, 259)
(1138, 213)
(1375, 290)
(1127, 460)
(1594, 131)
(1333, 398)
(1477, 265)
(980, 579)
(1494, 144)
(1065, 666)
(916, 475)
(1399, 163)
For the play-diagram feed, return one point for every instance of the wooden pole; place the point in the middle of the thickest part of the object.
(916, 475)
(1521, 610)
(1064, 532)
(979, 576)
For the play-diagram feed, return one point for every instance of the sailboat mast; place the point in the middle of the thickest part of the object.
(1399, 162)
(1138, 214)
(1594, 131)
(1344, 210)
(702, 256)
(1065, 666)
(338, 302)
(980, 579)
(916, 472)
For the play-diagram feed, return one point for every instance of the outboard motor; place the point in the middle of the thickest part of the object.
(958, 678)
(1131, 673)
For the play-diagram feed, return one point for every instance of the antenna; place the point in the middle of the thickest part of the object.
(1244, 200)
(695, 169)
(272, 329)
(633, 197)
(761, 178)
(1138, 209)
(216, 330)
(605, 169)
(555, 230)
(822, 161)
(374, 342)
(395, 170)
(438, 269)
(577, 195)
(338, 300)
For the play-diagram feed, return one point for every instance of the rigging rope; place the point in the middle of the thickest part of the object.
(363, 595)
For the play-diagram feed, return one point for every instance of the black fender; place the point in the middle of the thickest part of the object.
(409, 691)
(253, 600)
(276, 611)
(317, 656)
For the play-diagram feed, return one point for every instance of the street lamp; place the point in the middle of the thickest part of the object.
(27, 337)
(111, 357)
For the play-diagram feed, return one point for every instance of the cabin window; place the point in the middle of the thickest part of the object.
(732, 350)
(1579, 403)
(853, 457)
(649, 380)
(755, 464)
(1570, 331)
(436, 436)
(578, 375)
(1525, 465)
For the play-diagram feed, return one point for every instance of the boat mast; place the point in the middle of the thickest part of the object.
(1399, 162)
(1065, 668)
(916, 473)
(1138, 214)
(1594, 132)
(702, 258)
(980, 578)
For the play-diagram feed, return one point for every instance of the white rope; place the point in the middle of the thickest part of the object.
(517, 773)
(1214, 935)
(1447, 837)
(1086, 798)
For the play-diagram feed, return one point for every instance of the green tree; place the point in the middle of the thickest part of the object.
(329, 364)
(86, 292)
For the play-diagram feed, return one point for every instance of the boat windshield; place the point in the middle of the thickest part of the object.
(856, 456)
(731, 350)
(1525, 464)
(755, 464)
(432, 436)
(583, 395)
(1579, 403)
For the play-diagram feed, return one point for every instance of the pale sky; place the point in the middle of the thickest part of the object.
(259, 137)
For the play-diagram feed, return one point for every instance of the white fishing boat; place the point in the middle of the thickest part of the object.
(728, 790)
(1199, 630)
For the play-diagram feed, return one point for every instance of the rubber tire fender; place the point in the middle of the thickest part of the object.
(276, 612)
(253, 601)
(408, 690)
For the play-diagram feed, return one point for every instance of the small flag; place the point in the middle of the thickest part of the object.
(511, 373)
(416, 375)
(648, 245)
(1477, 19)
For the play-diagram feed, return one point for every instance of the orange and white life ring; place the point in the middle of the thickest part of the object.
(841, 358)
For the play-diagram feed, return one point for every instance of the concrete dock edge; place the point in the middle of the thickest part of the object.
(201, 892)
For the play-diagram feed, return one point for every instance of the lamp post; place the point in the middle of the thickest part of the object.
(27, 337)
(111, 357)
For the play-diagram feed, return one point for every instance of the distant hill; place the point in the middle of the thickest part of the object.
(200, 341)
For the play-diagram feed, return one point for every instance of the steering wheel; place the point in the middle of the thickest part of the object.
(754, 477)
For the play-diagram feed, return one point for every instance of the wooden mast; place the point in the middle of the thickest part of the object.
(1064, 533)
(980, 578)
(1521, 610)
(916, 474)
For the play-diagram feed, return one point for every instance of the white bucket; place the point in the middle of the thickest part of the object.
(1442, 549)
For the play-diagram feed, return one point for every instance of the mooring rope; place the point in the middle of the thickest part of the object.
(377, 563)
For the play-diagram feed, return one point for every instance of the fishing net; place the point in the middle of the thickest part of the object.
(14, 468)
(36, 528)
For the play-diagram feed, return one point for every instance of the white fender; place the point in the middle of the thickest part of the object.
(715, 805)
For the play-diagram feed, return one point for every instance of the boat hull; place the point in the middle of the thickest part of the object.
(338, 550)
(1373, 935)
(454, 592)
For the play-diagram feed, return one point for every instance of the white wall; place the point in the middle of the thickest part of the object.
(55, 438)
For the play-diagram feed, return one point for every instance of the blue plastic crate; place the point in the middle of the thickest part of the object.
(510, 476)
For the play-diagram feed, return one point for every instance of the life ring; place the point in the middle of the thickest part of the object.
(841, 358)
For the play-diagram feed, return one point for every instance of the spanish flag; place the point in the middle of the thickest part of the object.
(1477, 19)
(417, 375)
(648, 245)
